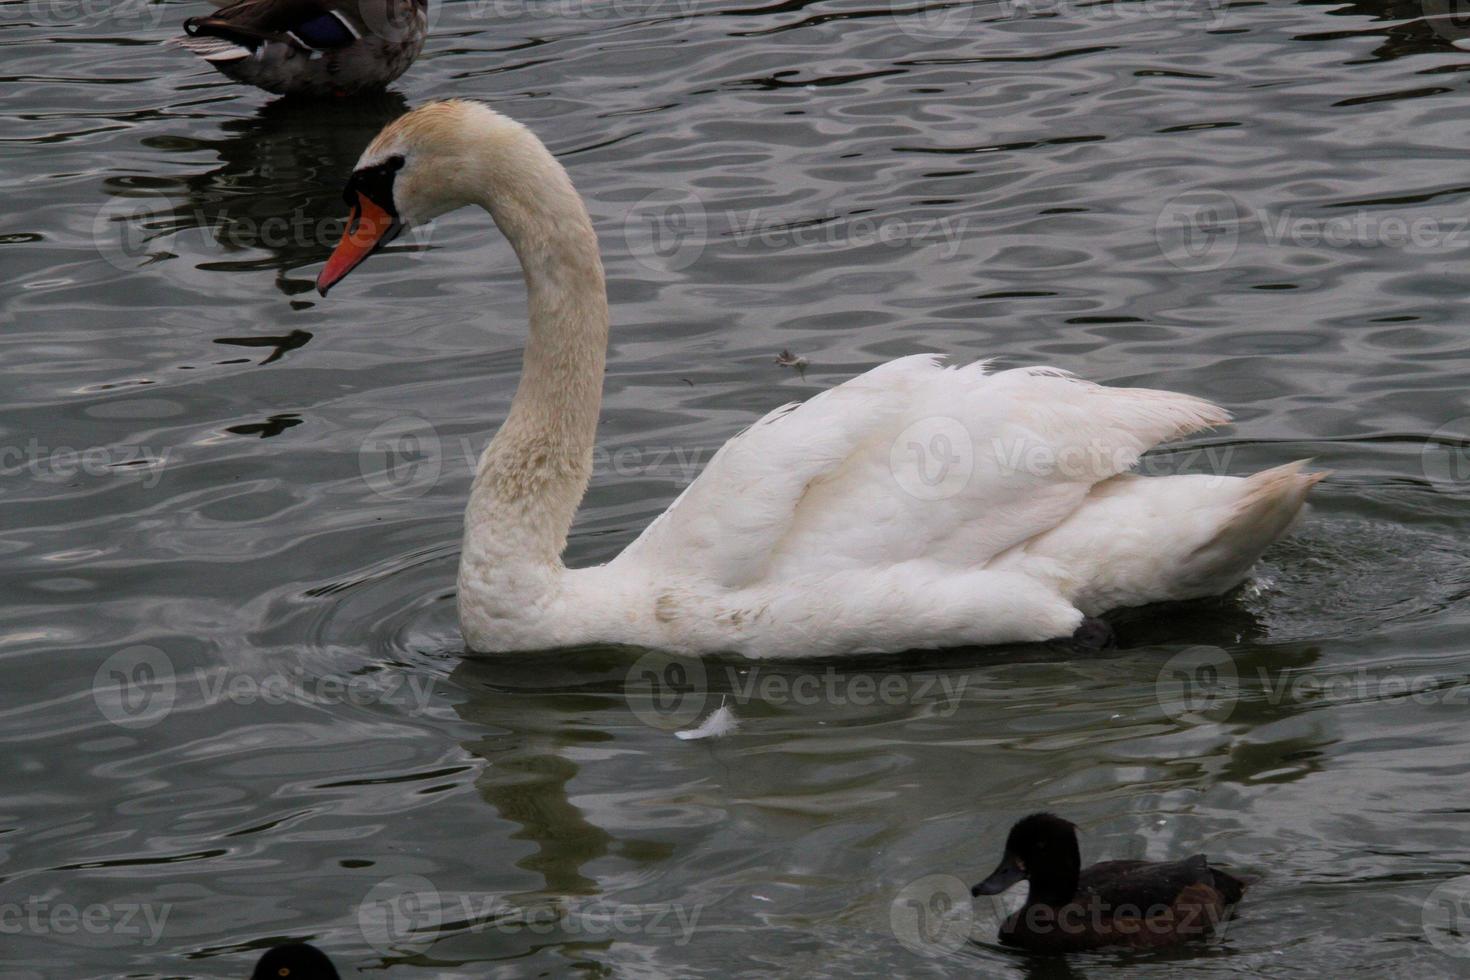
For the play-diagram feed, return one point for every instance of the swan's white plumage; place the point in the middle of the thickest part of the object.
(829, 484)
(914, 506)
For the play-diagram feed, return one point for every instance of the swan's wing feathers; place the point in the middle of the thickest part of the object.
(976, 464)
(911, 460)
(1091, 423)
(725, 524)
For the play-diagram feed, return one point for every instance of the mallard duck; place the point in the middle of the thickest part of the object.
(914, 506)
(1114, 903)
(311, 47)
(298, 961)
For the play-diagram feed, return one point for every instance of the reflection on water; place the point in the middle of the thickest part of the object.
(195, 479)
(276, 188)
(528, 774)
(1413, 26)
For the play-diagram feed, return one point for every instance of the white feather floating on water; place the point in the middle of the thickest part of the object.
(721, 722)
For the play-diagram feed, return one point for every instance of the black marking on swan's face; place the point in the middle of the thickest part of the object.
(375, 183)
(373, 222)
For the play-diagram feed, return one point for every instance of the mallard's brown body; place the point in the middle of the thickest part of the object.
(311, 47)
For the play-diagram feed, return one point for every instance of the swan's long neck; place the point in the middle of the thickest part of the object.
(532, 475)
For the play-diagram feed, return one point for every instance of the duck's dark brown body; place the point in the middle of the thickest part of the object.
(1115, 903)
(1129, 903)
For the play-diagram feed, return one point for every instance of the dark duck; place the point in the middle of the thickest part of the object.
(296, 961)
(311, 47)
(1141, 904)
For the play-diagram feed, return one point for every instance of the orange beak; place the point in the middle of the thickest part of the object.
(369, 229)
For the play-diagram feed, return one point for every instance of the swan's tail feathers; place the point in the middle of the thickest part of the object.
(1274, 498)
(1270, 502)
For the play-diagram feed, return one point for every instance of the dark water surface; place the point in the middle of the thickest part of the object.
(236, 707)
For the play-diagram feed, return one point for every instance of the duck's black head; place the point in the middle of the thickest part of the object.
(1041, 849)
(294, 961)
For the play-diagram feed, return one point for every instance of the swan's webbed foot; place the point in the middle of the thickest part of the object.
(1090, 636)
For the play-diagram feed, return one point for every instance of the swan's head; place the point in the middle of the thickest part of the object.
(434, 159)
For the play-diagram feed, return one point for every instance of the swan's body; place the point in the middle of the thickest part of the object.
(914, 506)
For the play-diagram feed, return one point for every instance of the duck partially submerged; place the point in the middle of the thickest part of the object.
(311, 47)
(299, 961)
(1114, 903)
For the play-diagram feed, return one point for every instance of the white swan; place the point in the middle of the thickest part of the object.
(914, 506)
